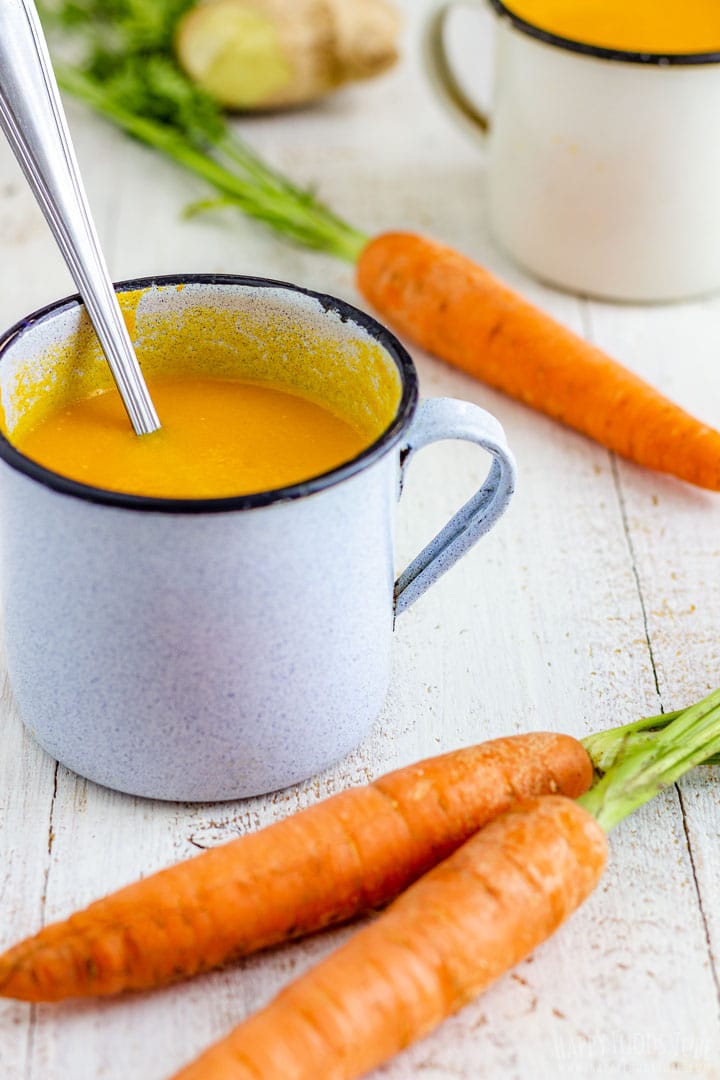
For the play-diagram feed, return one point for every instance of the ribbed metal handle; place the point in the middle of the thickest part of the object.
(32, 117)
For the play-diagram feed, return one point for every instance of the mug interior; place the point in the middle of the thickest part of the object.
(628, 56)
(229, 327)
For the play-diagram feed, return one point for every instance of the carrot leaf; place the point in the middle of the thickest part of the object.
(644, 758)
(126, 70)
(607, 747)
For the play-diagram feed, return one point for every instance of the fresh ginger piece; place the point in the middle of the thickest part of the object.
(258, 54)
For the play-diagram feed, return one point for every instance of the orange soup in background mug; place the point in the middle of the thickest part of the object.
(603, 141)
(643, 26)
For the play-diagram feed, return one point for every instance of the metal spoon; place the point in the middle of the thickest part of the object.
(32, 117)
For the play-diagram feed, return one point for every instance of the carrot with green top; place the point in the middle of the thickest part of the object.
(324, 865)
(432, 294)
(461, 926)
(457, 310)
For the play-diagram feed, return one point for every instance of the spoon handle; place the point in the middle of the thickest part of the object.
(32, 117)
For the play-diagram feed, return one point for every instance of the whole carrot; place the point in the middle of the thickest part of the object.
(434, 295)
(438, 298)
(324, 865)
(457, 310)
(461, 926)
(442, 942)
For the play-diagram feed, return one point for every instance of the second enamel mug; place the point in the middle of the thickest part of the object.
(603, 164)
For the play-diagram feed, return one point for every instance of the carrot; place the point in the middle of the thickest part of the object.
(462, 925)
(432, 294)
(442, 942)
(457, 310)
(348, 854)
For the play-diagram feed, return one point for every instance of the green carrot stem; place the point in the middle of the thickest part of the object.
(261, 193)
(607, 747)
(652, 765)
(240, 154)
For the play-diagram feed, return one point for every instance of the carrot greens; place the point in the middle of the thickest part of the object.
(126, 70)
(641, 759)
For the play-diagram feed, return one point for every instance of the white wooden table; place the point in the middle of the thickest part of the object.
(595, 601)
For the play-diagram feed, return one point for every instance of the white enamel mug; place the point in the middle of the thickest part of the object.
(603, 165)
(219, 648)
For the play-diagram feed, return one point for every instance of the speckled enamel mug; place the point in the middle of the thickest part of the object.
(214, 649)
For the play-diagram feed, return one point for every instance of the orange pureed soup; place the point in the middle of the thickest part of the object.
(253, 394)
(656, 26)
(219, 437)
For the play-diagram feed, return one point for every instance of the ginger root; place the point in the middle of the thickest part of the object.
(265, 54)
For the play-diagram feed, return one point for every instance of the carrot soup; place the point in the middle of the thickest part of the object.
(219, 437)
(692, 26)
(249, 400)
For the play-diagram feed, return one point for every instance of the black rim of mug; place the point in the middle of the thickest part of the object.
(600, 53)
(377, 449)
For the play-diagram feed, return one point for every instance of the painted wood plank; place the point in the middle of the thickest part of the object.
(673, 529)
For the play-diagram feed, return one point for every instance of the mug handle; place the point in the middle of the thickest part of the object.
(446, 418)
(440, 72)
